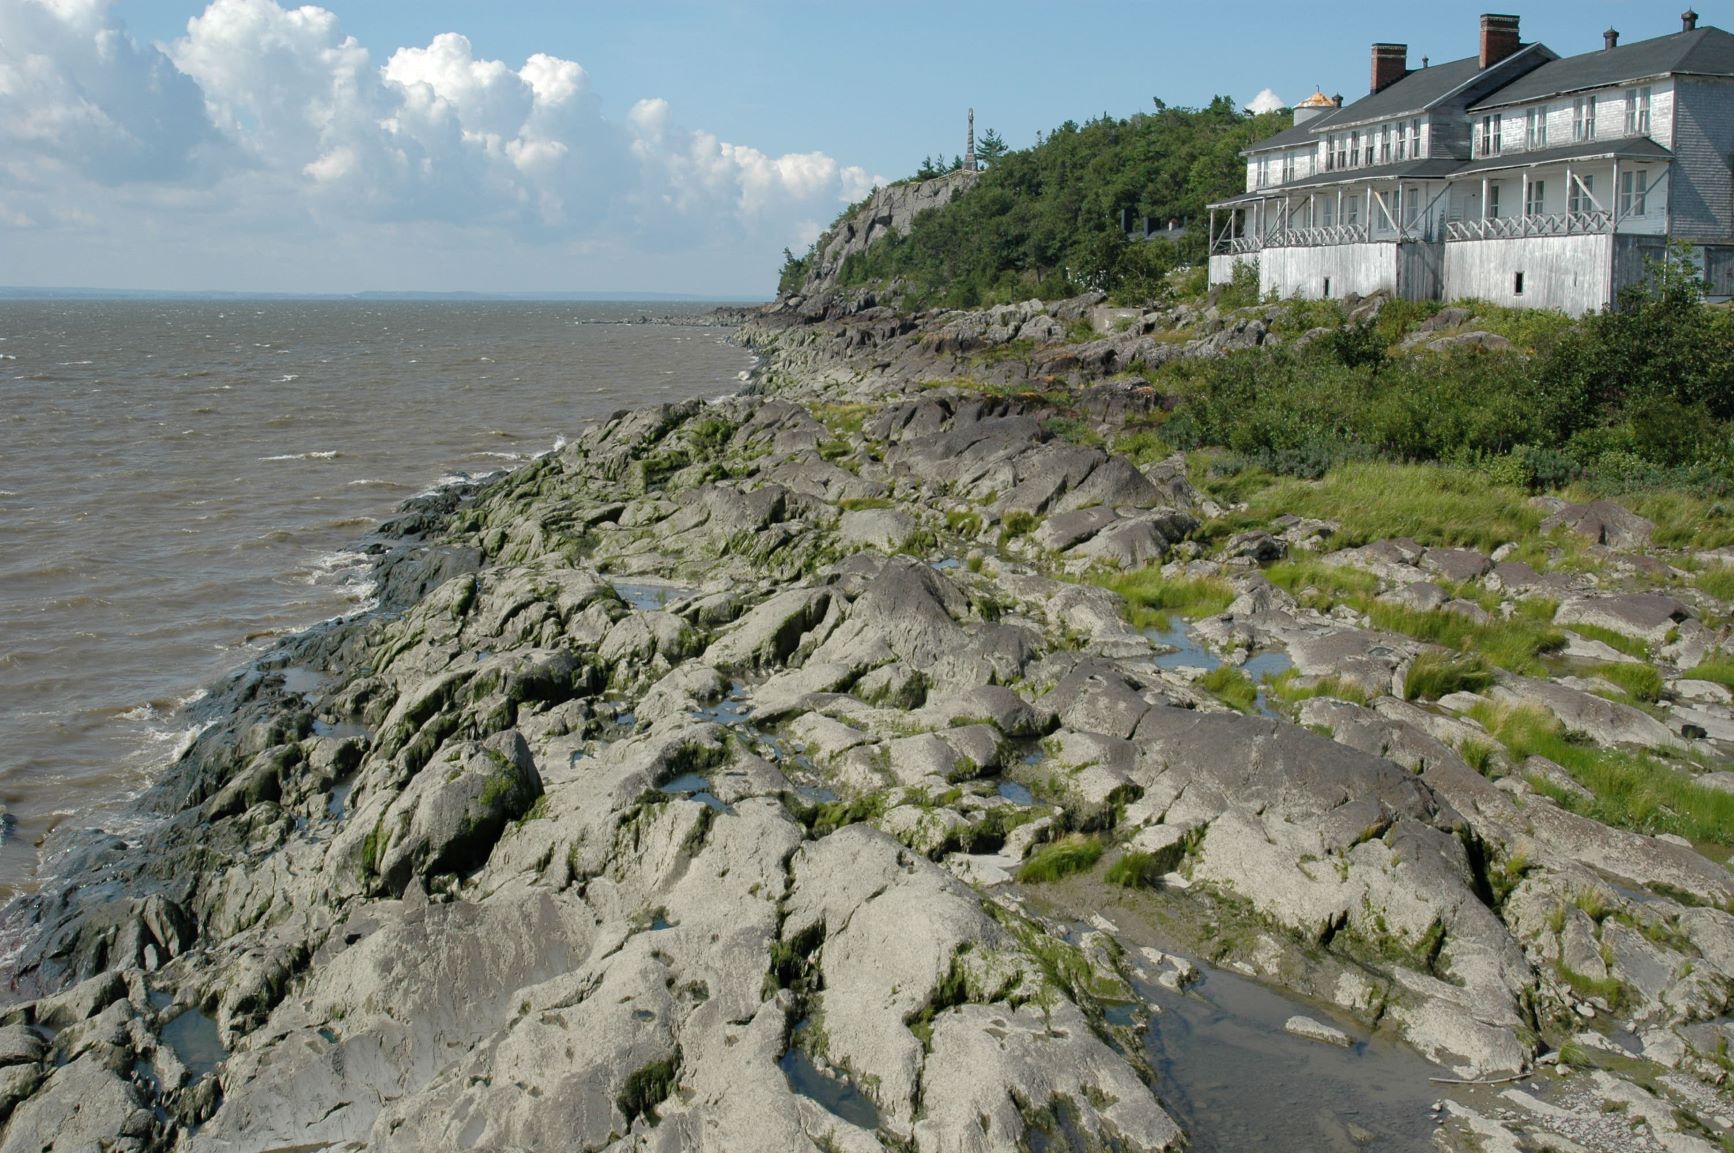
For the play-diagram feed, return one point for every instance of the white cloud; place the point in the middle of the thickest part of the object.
(263, 117)
(1266, 101)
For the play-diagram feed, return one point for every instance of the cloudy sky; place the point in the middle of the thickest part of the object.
(577, 145)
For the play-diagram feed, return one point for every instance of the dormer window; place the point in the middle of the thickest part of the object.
(1638, 111)
(1492, 128)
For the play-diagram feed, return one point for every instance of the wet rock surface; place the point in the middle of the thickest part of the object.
(688, 788)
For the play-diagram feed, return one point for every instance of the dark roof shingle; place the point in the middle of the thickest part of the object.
(1704, 51)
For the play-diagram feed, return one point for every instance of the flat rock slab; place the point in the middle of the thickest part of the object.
(1603, 522)
(1311, 1030)
(1643, 616)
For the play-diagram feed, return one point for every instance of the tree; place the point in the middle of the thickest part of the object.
(991, 146)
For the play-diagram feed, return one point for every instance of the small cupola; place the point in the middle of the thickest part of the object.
(1312, 107)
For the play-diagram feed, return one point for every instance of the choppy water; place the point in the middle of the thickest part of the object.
(180, 484)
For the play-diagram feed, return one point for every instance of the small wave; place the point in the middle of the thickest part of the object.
(375, 482)
(75, 363)
(303, 456)
(502, 434)
(287, 377)
(503, 455)
(7, 356)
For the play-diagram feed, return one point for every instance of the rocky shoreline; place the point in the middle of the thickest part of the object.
(697, 787)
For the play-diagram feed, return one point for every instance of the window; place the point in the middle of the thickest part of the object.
(1638, 111)
(1583, 119)
(1634, 193)
(1385, 144)
(1582, 195)
(1537, 202)
(1354, 148)
(1351, 210)
(1418, 151)
(1330, 217)
(1327, 288)
(1339, 158)
(1402, 134)
(1535, 128)
(1491, 129)
(1287, 167)
(1493, 201)
(1411, 206)
(1263, 171)
(1517, 285)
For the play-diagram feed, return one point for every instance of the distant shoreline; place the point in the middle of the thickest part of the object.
(458, 297)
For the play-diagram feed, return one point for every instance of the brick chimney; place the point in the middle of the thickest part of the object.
(1390, 64)
(1498, 38)
(1610, 40)
(1688, 21)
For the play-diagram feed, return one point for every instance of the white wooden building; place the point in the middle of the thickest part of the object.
(1514, 175)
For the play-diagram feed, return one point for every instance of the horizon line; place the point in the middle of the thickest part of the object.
(42, 292)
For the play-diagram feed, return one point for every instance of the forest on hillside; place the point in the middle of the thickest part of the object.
(1047, 220)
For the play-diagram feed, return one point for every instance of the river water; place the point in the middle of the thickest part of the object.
(181, 483)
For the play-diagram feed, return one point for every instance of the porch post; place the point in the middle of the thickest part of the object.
(1525, 203)
(1614, 196)
(1484, 200)
(1369, 212)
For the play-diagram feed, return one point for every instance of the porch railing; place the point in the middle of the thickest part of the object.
(1518, 227)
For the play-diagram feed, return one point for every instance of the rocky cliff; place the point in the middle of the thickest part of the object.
(699, 787)
(889, 210)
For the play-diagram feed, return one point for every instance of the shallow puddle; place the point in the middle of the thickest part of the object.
(193, 1038)
(1015, 793)
(698, 788)
(1235, 1081)
(838, 1097)
(1187, 653)
(651, 596)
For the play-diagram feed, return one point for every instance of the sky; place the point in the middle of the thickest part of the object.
(576, 145)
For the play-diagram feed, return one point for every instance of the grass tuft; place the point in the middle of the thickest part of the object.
(1434, 675)
(1074, 854)
(1230, 686)
(1150, 597)
(1430, 504)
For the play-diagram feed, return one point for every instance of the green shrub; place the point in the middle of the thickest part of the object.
(1073, 854)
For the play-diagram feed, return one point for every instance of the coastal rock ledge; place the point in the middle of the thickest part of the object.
(676, 797)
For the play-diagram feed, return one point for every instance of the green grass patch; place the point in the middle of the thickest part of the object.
(1516, 644)
(861, 503)
(1683, 519)
(1062, 858)
(1319, 585)
(1629, 790)
(1719, 672)
(1435, 675)
(1640, 682)
(1230, 686)
(1015, 524)
(1151, 597)
(1619, 642)
(1291, 687)
(1430, 504)
(1136, 871)
(1142, 446)
(1717, 582)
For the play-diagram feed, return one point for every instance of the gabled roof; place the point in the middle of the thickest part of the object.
(1426, 88)
(1701, 52)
